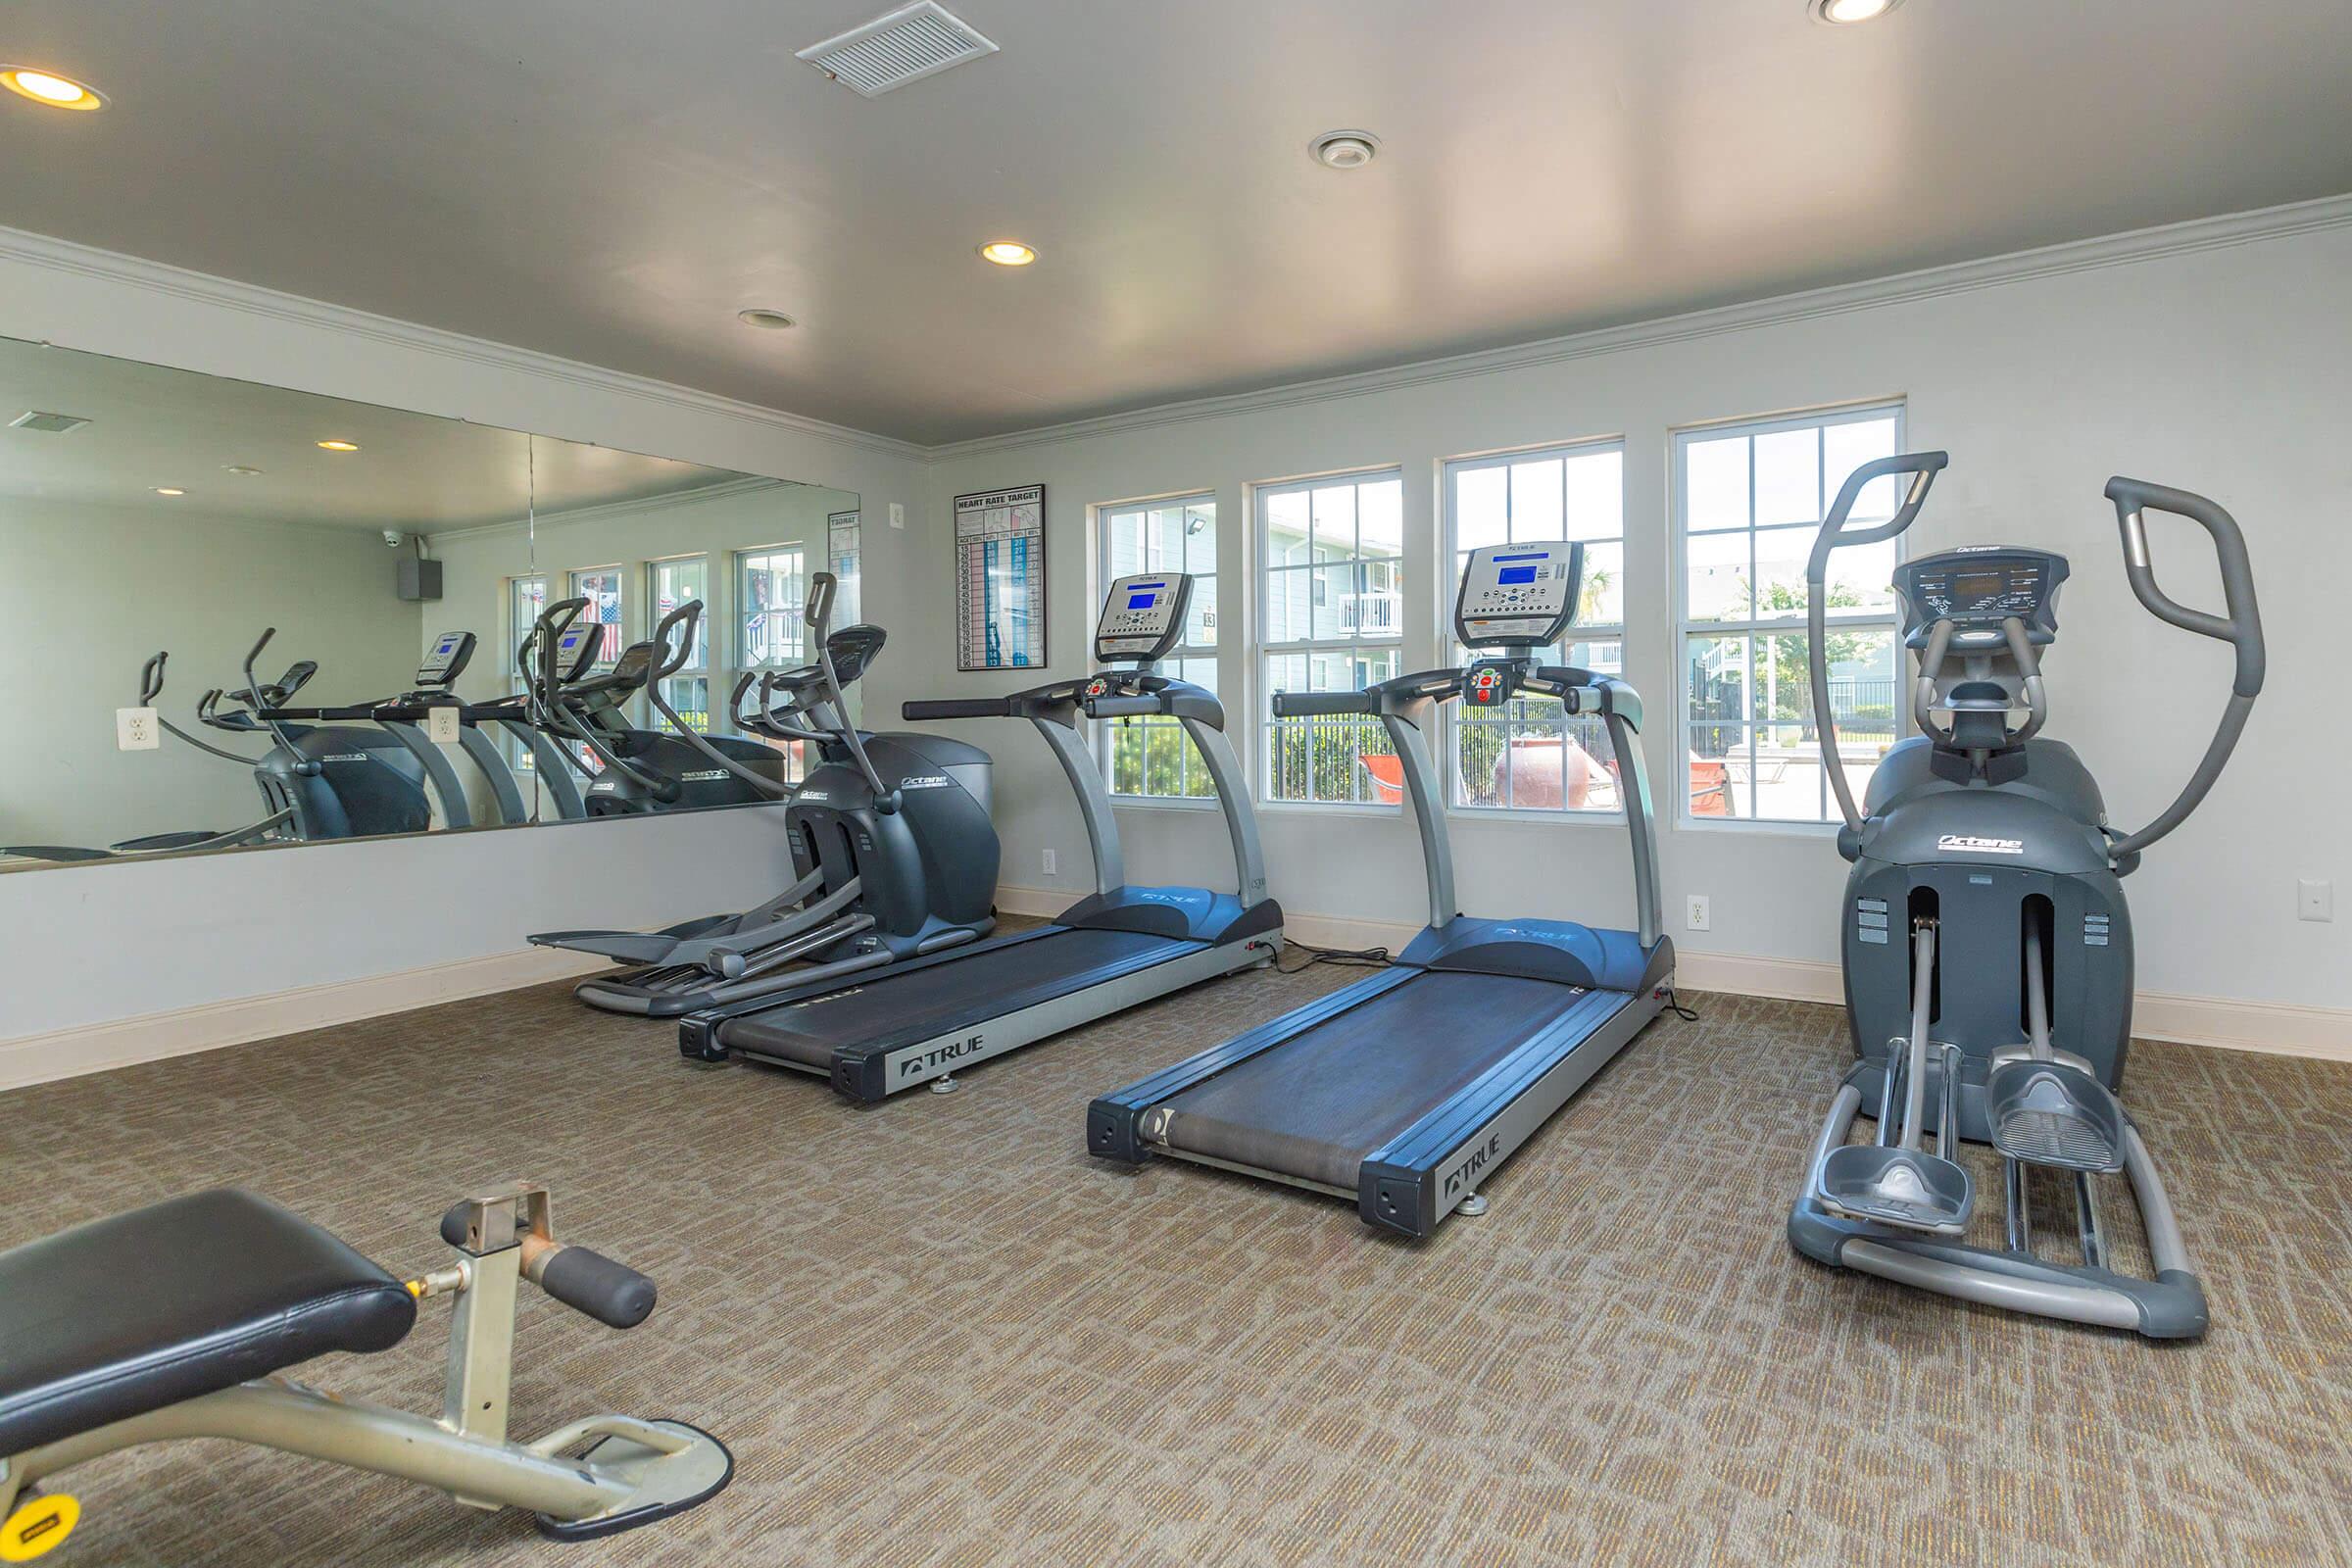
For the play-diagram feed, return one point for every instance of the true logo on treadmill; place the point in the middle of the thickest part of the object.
(1480, 1158)
(1971, 844)
(941, 1056)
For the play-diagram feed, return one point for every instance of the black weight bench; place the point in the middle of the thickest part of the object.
(171, 1321)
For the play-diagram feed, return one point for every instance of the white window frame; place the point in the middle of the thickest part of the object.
(1685, 628)
(1262, 651)
(520, 756)
(795, 752)
(1104, 514)
(698, 664)
(1451, 555)
(620, 627)
(743, 557)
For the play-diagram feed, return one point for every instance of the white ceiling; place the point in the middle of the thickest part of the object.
(613, 182)
(151, 427)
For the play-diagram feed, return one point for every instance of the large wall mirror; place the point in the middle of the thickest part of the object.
(156, 523)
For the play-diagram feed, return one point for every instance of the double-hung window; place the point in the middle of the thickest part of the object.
(1531, 754)
(1750, 500)
(601, 587)
(772, 590)
(681, 580)
(1151, 758)
(526, 597)
(1331, 618)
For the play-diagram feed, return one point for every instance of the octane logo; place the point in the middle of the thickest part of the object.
(925, 781)
(1970, 844)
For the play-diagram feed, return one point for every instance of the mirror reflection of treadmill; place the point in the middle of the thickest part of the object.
(929, 1018)
(1407, 1090)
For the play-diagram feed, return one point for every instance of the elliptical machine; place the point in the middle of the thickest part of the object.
(643, 769)
(1987, 947)
(892, 851)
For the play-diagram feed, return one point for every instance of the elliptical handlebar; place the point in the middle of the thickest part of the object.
(1923, 466)
(303, 766)
(818, 613)
(667, 664)
(2241, 627)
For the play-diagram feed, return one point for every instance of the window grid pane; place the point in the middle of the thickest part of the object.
(1151, 758)
(601, 587)
(1531, 755)
(1331, 619)
(1751, 502)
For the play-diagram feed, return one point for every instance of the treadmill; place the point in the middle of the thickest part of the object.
(925, 1018)
(1405, 1090)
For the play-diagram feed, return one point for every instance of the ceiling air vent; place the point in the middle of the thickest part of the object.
(889, 52)
(47, 424)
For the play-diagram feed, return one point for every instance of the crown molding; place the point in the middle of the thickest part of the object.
(28, 249)
(1901, 288)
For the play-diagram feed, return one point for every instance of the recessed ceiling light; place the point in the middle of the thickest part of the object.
(240, 469)
(168, 490)
(49, 88)
(1846, 12)
(766, 321)
(1345, 149)
(338, 445)
(1008, 253)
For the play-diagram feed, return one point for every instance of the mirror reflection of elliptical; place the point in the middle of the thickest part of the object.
(279, 602)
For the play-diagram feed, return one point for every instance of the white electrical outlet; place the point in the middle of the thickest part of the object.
(137, 730)
(441, 727)
(898, 514)
(2315, 900)
(1694, 911)
(1048, 863)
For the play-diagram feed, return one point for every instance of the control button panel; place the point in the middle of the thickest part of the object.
(442, 667)
(1518, 596)
(1981, 587)
(1485, 687)
(1142, 616)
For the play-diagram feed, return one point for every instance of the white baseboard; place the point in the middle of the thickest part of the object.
(2281, 1028)
(125, 1041)
(2229, 1023)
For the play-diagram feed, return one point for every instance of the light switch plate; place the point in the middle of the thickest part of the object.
(136, 729)
(898, 514)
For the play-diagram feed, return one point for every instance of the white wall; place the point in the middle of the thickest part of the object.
(82, 945)
(2226, 369)
(88, 593)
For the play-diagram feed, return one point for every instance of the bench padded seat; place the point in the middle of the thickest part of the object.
(128, 1314)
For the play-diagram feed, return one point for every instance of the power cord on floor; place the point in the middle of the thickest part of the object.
(1674, 1005)
(1363, 958)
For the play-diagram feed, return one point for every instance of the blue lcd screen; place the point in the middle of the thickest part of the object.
(1512, 575)
(1142, 601)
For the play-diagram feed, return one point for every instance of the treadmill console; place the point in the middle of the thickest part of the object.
(1143, 618)
(1518, 596)
(451, 650)
(1978, 587)
(577, 648)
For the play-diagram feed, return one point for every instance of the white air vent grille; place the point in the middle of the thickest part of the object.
(911, 43)
(47, 424)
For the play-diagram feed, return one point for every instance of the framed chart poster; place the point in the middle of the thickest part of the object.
(841, 536)
(1001, 579)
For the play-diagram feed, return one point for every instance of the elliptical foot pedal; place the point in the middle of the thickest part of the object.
(2049, 1113)
(1908, 1188)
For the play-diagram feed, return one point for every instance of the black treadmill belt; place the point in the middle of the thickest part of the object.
(910, 1004)
(1313, 1106)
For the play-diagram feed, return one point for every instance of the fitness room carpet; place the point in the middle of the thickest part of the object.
(934, 1331)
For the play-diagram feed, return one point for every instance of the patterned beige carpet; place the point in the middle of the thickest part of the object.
(935, 1333)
